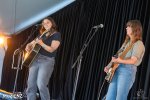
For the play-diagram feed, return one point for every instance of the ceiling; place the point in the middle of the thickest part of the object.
(17, 15)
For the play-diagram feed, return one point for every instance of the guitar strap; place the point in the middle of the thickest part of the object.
(46, 34)
(126, 51)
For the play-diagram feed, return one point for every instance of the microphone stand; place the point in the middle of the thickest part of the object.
(100, 90)
(29, 37)
(20, 54)
(78, 61)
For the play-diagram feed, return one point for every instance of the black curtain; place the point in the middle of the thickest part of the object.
(75, 22)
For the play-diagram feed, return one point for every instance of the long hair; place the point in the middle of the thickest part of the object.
(136, 30)
(53, 28)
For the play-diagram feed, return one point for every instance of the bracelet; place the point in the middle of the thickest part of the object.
(44, 45)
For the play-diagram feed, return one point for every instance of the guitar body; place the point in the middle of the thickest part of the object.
(30, 56)
(111, 72)
(114, 66)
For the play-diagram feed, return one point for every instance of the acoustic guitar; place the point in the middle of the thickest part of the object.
(30, 56)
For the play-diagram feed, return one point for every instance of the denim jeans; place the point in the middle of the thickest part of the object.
(122, 82)
(39, 75)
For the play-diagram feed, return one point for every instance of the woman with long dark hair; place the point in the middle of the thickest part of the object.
(41, 68)
(129, 57)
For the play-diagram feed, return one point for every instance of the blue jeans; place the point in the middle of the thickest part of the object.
(122, 82)
(39, 75)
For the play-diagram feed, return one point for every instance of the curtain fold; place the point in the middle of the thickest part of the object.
(75, 22)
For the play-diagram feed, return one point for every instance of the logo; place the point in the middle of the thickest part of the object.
(140, 95)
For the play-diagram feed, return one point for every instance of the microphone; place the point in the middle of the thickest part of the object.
(38, 25)
(99, 26)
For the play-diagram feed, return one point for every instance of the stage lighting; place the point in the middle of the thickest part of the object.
(2, 40)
